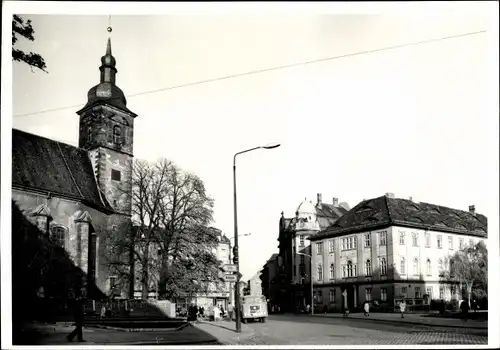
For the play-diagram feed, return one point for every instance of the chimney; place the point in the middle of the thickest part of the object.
(319, 199)
(472, 209)
(335, 202)
(389, 195)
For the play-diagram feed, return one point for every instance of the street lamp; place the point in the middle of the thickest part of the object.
(236, 255)
(311, 278)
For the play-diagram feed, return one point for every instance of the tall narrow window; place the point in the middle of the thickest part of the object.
(117, 135)
(440, 241)
(415, 238)
(368, 267)
(461, 243)
(301, 240)
(58, 235)
(367, 240)
(415, 266)
(89, 133)
(332, 296)
(428, 240)
(332, 271)
(417, 293)
(441, 293)
(403, 266)
(331, 246)
(319, 248)
(383, 294)
(450, 242)
(320, 272)
(383, 267)
(302, 259)
(368, 294)
(351, 269)
(401, 238)
(383, 238)
(428, 266)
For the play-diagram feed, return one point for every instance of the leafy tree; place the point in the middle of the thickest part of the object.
(170, 244)
(469, 268)
(22, 28)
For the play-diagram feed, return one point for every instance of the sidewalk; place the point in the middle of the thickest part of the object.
(225, 332)
(418, 319)
(47, 334)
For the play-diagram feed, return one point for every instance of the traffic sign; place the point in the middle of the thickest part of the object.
(230, 278)
(230, 268)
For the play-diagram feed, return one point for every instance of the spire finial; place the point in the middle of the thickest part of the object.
(108, 47)
(110, 29)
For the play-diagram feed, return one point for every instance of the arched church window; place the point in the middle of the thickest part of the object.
(117, 135)
(58, 235)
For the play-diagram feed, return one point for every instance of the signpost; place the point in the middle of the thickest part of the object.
(230, 278)
(230, 268)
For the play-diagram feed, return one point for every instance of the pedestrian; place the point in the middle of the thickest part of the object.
(230, 311)
(77, 305)
(222, 314)
(325, 309)
(402, 308)
(216, 313)
(308, 308)
(202, 312)
(465, 310)
(103, 311)
(367, 308)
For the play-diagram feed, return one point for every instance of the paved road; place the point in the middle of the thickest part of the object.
(305, 330)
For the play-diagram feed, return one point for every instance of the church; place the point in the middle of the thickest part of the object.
(77, 195)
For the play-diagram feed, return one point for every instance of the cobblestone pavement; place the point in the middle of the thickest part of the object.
(294, 330)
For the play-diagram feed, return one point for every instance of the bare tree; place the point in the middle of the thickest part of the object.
(24, 29)
(468, 268)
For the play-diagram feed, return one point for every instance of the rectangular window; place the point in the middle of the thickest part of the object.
(402, 238)
(429, 292)
(332, 296)
(320, 297)
(331, 246)
(367, 240)
(112, 282)
(404, 290)
(417, 293)
(428, 240)
(450, 242)
(301, 240)
(414, 236)
(302, 259)
(440, 241)
(383, 238)
(453, 290)
(441, 293)
(349, 243)
(116, 175)
(319, 248)
(461, 243)
(368, 294)
(302, 270)
(383, 294)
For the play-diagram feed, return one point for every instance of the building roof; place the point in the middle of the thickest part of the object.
(386, 211)
(45, 165)
(330, 211)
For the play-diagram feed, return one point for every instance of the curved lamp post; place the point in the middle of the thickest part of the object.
(235, 249)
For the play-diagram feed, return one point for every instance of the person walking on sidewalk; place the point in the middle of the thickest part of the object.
(402, 308)
(230, 311)
(367, 308)
(77, 304)
(465, 310)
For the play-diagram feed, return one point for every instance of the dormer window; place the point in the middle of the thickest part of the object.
(117, 135)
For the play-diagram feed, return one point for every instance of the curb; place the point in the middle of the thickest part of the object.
(242, 335)
(139, 329)
(408, 322)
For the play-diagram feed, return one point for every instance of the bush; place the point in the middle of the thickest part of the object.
(452, 305)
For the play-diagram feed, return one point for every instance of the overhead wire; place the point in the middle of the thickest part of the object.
(264, 70)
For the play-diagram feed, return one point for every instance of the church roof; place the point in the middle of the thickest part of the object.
(45, 165)
(386, 211)
(330, 211)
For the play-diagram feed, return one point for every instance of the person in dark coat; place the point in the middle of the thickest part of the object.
(77, 305)
(465, 310)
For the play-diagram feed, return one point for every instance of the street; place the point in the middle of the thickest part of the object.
(306, 330)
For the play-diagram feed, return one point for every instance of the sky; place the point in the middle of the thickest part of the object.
(419, 121)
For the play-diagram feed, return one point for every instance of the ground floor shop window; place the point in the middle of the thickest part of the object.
(383, 294)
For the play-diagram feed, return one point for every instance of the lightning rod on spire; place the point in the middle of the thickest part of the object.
(109, 24)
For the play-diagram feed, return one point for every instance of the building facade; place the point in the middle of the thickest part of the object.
(78, 195)
(254, 286)
(387, 249)
(294, 249)
(269, 278)
(218, 293)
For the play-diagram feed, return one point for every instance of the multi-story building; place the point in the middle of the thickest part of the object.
(388, 248)
(254, 286)
(269, 279)
(217, 293)
(293, 237)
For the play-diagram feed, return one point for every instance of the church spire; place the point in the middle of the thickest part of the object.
(108, 66)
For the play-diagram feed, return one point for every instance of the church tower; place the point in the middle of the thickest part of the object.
(107, 132)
